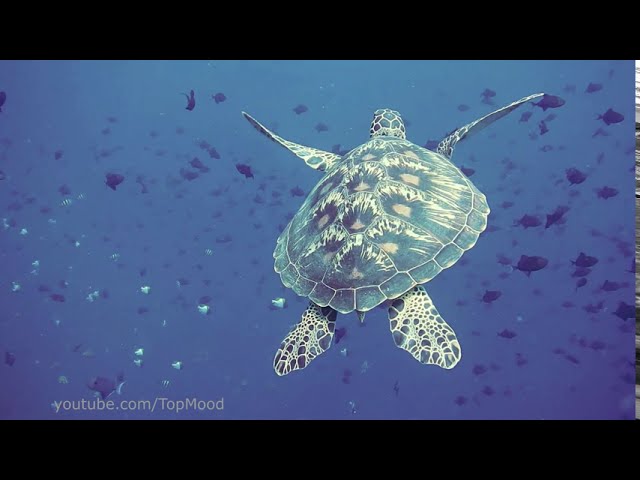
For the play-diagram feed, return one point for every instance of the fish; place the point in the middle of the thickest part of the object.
(463, 108)
(549, 101)
(300, 109)
(506, 204)
(188, 174)
(546, 148)
(575, 176)
(525, 117)
(528, 264)
(608, 286)
(467, 171)
(106, 387)
(581, 283)
(219, 97)
(593, 87)
(197, 163)
(296, 192)
(606, 192)
(396, 388)
(593, 308)
(460, 400)
(321, 127)
(507, 334)
(600, 132)
(491, 296)
(556, 216)
(625, 311)
(3, 99)
(611, 117)
(340, 334)
(543, 127)
(584, 260)
(9, 358)
(2, 175)
(57, 155)
(113, 180)
(581, 272)
(57, 297)
(244, 170)
(488, 93)
(191, 100)
(528, 221)
(479, 369)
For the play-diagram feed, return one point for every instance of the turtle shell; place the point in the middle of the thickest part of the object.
(389, 216)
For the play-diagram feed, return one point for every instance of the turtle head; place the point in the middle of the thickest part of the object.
(387, 122)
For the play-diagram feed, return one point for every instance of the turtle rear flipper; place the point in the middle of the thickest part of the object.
(317, 159)
(445, 147)
(418, 328)
(311, 337)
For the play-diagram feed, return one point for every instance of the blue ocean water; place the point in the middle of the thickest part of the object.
(67, 124)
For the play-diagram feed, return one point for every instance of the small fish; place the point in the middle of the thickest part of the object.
(219, 97)
(58, 154)
(197, 163)
(2, 175)
(607, 192)
(593, 308)
(549, 101)
(396, 388)
(502, 260)
(528, 221)
(321, 127)
(608, 286)
(188, 175)
(3, 99)
(611, 117)
(506, 204)
(525, 117)
(479, 369)
(581, 283)
(593, 87)
(543, 127)
(296, 192)
(575, 176)
(340, 334)
(244, 170)
(491, 296)
(463, 108)
(550, 117)
(191, 100)
(105, 386)
(625, 311)
(467, 171)
(460, 400)
(600, 132)
(488, 93)
(300, 109)
(113, 180)
(507, 334)
(9, 358)
(546, 148)
(584, 260)
(581, 272)
(56, 297)
(528, 264)
(556, 216)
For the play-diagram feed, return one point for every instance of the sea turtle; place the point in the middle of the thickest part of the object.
(386, 218)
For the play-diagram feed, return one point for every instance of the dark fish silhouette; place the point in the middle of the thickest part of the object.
(3, 98)
(432, 145)
(463, 107)
(197, 163)
(296, 192)
(467, 171)
(528, 221)
(58, 154)
(340, 334)
(528, 264)
(9, 358)
(321, 127)
(56, 297)
(479, 369)
(632, 268)
(2, 175)
(549, 101)
(460, 400)
(625, 311)
(113, 180)
(396, 388)
(491, 296)
(543, 127)
(593, 308)
(581, 272)
(581, 283)
(506, 204)
(550, 117)
(502, 260)
(521, 360)
(219, 97)
(608, 286)
(244, 170)
(105, 386)
(301, 109)
(556, 216)
(593, 87)
(191, 100)
(607, 192)
(600, 132)
(546, 148)
(611, 117)
(64, 190)
(575, 176)
(488, 93)
(584, 260)
(507, 334)
(525, 117)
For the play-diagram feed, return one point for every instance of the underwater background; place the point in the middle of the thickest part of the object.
(76, 254)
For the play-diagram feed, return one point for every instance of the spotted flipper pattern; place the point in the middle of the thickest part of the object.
(445, 147)
(311, 337)
(317, 159)
(418, 328)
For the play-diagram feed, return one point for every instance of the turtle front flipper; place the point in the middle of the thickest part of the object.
(317, 159)
(445, 147)
(311, 337)
(418, 328)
